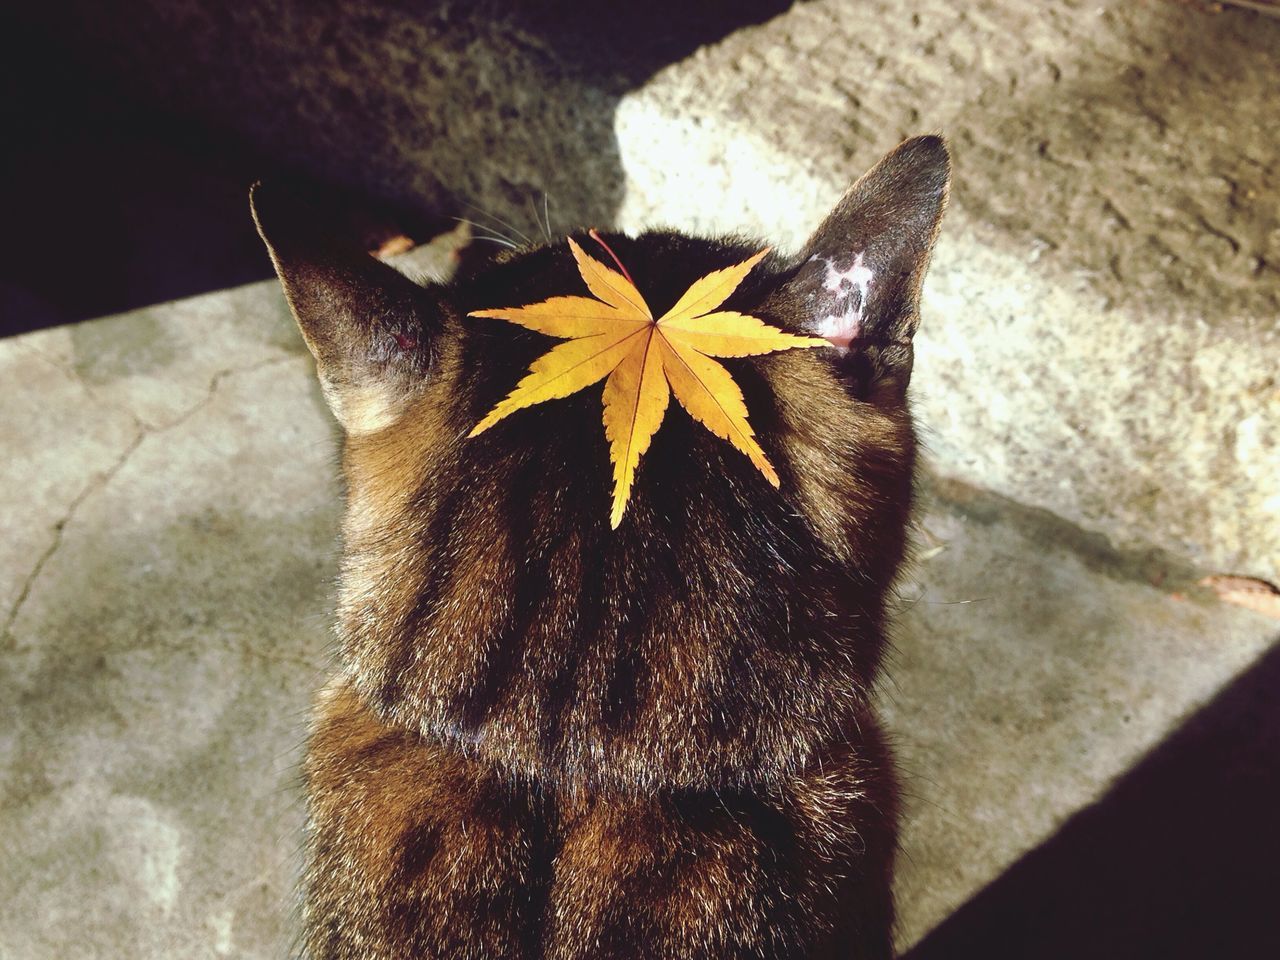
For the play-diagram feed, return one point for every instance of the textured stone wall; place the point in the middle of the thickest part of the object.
(1102, 322)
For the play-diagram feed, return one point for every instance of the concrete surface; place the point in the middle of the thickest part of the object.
(168, 554)
(1034, 664)
(165, 580)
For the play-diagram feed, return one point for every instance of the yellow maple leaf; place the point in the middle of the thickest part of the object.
(645, 361)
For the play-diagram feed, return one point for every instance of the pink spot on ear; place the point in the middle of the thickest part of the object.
(405, 341)
(843, 313)
(841, 331)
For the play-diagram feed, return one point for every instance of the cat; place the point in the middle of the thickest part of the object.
(551, 739)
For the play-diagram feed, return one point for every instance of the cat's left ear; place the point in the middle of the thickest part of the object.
(858, 278)
(370, 328)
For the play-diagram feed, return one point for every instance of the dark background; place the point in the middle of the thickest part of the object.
(134, 129)
(108, 202)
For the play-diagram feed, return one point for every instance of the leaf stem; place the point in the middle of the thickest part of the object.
(594, 235)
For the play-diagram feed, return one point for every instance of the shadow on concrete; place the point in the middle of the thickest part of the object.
(137, 128)
(1181, 859)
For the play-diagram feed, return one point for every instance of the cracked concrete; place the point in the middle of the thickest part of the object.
(155, 679)
(114, 365)
(100, 480)
(171, 514)
(58, 526)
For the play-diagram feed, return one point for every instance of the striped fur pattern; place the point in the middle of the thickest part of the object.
(549, 739)
(418, 851)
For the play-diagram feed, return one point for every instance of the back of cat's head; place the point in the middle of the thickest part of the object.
(507, 533)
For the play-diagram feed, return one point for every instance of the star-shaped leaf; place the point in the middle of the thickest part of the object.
(645, 361)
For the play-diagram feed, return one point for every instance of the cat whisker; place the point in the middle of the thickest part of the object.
(499, 238)
(497, 219)
(485, 226)
(546, 211)
(907, 603)
(502, 243)
(533, 207)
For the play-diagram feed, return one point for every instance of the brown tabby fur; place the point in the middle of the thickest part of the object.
(550, 739)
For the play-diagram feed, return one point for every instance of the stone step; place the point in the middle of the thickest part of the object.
(1101, 333)
(169, 520)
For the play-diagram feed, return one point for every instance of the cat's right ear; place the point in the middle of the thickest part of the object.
(857, 281)
(370, 328)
